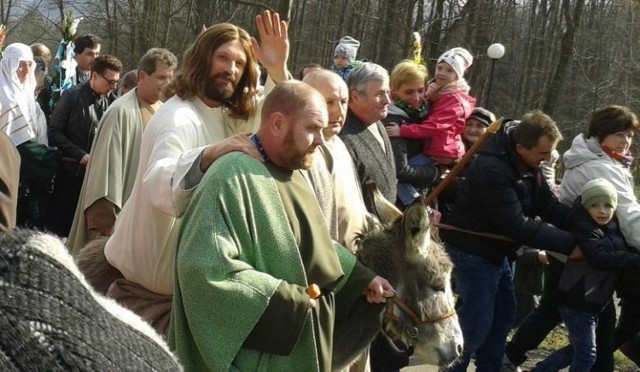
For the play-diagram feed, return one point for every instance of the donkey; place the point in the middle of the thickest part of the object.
(420, 319)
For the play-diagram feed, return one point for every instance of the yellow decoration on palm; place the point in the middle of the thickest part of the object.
(417, 48)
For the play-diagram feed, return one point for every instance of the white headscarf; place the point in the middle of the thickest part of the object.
(17, 100)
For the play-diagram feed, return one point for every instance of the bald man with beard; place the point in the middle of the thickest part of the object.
(254, 236)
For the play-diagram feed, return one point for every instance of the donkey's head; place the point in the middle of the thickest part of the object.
(421, 316)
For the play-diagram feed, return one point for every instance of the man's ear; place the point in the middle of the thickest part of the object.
(277, 124)
(354, 97)
(141, 75)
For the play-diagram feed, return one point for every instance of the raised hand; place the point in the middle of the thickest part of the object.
(273, 50)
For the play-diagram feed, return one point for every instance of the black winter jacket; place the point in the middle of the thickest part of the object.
(75, 121)
(404, 149)
(588, 284)
(503, 196)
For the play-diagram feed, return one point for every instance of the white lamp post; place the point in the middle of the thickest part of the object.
(495, 52)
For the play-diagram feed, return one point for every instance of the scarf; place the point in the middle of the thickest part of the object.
(415, 114)
(625, 160)
(435, 91)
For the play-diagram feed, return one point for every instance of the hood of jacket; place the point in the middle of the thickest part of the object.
(582, 150)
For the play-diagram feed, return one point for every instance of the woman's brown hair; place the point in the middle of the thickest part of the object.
(611, 119)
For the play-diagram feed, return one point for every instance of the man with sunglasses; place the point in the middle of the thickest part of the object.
(73, 125)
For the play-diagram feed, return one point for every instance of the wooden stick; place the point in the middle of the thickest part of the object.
(462, 163)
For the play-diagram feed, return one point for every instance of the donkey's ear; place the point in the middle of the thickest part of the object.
(388, 214)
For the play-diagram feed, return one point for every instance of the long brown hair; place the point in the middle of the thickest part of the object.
(193, 73)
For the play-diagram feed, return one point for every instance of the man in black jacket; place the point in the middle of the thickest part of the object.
(503, 193)
(73, 125)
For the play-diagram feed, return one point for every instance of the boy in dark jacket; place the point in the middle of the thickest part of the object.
(587, 285)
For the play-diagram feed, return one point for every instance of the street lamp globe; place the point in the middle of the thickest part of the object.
(495, 51)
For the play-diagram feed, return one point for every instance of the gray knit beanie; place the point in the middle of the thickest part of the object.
(347, 47)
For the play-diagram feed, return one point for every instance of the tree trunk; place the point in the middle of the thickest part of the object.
(572, 20)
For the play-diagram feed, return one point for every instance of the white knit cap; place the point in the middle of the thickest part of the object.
(348, 47)
(458, 58)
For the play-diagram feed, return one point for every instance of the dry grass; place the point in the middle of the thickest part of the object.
(558, 339)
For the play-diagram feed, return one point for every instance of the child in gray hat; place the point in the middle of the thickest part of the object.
(587, 285)
(344, 57)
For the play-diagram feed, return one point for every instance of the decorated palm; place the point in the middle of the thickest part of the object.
(417, 48)
(65, 68)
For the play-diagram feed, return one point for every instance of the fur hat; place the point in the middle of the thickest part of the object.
(458, 58)
(483, 115)
(348, 47)
(599, 190)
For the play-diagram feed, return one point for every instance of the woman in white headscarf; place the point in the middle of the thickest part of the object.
(19, 117)
(23, 121)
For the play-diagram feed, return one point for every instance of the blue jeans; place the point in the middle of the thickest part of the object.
(581, 353)
(407, 193)
(486, 308)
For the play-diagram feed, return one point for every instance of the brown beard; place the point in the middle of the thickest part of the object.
(219, 93)
(297, 161)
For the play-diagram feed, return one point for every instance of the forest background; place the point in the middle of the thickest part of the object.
(565, 57)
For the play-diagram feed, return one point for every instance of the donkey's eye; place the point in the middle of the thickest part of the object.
(415, 231)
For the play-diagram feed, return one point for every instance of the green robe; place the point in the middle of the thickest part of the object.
(252, 240)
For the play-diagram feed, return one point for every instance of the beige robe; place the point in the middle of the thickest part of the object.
(352, 212)
(9, 175)
(113, 166)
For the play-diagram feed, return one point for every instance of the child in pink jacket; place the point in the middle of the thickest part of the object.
(451, 105)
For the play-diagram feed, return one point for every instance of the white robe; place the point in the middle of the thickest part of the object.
(144, 240)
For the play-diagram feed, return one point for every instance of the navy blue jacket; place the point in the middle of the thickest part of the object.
(502, 196)
(588, 284)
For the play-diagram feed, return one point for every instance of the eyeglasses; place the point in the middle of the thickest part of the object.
(113, 83)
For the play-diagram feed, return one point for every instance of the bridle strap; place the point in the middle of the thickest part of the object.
(417, 321)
